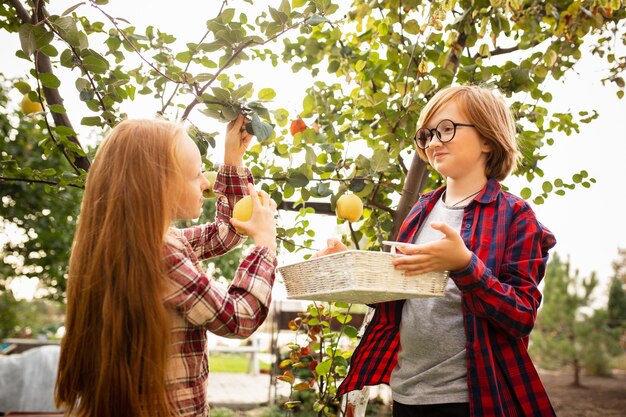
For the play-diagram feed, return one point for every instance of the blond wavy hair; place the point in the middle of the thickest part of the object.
(114, 354)
(492, 118)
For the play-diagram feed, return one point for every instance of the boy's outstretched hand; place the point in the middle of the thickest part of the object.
(446, 254)
(333, 245)
(237, 141)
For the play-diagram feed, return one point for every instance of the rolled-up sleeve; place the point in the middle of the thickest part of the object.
(236, 311)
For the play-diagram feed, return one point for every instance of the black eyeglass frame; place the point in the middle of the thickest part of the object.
(434, 131)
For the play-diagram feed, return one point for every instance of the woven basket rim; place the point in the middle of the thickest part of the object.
(338, 254)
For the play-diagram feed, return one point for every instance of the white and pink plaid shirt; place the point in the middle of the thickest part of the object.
(198, 304)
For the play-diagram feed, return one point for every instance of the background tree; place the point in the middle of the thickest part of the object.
(617, 299)
(568, 331)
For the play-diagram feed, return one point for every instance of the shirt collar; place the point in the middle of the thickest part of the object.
(488, 194)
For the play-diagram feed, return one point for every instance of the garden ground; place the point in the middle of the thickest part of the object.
(605, 397)
(599, 397)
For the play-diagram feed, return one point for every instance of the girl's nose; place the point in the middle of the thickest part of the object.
(205, 183)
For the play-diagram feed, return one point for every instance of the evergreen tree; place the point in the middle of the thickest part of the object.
(567, 331)
(617, 295)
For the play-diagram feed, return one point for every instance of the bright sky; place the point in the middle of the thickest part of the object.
(588, 223)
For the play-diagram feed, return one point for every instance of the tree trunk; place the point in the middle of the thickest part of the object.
(576, 366)
(413, 185)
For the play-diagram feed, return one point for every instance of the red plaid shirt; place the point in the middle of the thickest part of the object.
(500, 302)
(197, 304)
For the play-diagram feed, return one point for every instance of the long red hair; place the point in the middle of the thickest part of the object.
(115, 350)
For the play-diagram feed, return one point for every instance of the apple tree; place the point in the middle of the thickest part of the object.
(374, 63)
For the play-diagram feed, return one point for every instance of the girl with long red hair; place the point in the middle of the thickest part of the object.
(138, 302)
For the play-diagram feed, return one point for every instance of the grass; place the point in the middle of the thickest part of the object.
(232, 363)
(619, 362)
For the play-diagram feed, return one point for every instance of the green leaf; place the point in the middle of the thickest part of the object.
(261, 130)
(380, 160)
(22, 86)
(66, 26)
(68, 59)
(71, 9)
(230, 113)
(221, 94)
(546, 186)
(227, 15)
(315, 20)
(350, 331)
(242, 91)
(285, 7)
(308, 105)
(550, 58)
(57, 108)
(525, 193)
(322, 190)
(43, 37)
(267, 94)
(184, 57)
(96, 64)
(297, 180)
(86, 94)
(49, 50)
(49, 80)
(344, 318)
(310, 156)
(65, 131)
(91, 121)
(356, 185)
(323, 368)
(27, 38)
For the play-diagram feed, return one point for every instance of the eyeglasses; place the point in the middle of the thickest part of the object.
(445, 131)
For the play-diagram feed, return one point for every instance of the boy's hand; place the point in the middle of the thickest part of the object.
(446, 254)
(332, 246)
(237, 141)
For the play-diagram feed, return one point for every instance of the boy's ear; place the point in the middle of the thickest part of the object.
(486, 146)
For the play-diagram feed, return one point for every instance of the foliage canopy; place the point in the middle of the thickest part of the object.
(375, 65)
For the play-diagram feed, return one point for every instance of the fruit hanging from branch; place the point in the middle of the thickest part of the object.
(28, 106)
(349, 207)
(210, 176)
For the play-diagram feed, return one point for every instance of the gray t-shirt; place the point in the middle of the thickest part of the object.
(432, 365)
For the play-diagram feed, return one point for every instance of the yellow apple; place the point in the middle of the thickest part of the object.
(243, 209)
(349, 207)
(210, 176)
(28, 106)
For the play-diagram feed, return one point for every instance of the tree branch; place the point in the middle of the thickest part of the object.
(131, 44)
(239, 49)
(43, 65)
(34, 181)
(91, 80)
(503, 51)
(21, 11)
(382, 207)
(320, 208)
(353, 235)
(291, 242)
(415, 180)
(195, 101)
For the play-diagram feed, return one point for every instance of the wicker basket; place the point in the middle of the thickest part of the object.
(356, 276)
